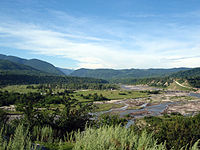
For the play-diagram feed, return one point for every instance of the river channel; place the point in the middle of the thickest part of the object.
(145, 109)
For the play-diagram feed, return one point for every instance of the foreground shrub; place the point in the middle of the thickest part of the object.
(115, 138)
(110, 120)
(103, 138)
(176, 130)
(19, 141)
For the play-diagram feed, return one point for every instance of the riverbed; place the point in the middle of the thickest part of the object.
(168, 102)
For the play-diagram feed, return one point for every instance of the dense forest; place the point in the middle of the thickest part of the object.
(8, 67)
(125, 73)
(33, 63)
(157, 82)
(187, 74)
(195, 81)
(11, 79)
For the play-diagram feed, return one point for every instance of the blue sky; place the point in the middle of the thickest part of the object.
(103, 33)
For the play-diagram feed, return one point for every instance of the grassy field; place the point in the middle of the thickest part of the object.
(18, 89)
(109, 94)
(81, 95)
(24, 89)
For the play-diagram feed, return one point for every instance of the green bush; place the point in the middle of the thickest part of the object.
(115, 138)
(176, 130)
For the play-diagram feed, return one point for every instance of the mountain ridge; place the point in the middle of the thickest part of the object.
(107, 74)
(34, 63)
(9, 67)
(125, 73)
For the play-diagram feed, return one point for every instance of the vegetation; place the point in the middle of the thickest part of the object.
(8, 67)
(113, 95)
(57, 112)
(105, 137)
(188, 73)
(162, 82)
(194, 82)
(49, 96)
(33, 63)
(61, 127)
(115, 138)
(124, 73)
(14, 79)
(175, 130)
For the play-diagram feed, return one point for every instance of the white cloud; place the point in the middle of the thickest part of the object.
(118, 50)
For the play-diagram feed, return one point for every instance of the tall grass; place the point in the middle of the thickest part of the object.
(115, 138)
(19, 141)
(103, 138)
(44, 134)
(119, 138)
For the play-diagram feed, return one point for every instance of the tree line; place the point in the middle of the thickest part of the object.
(15, 79)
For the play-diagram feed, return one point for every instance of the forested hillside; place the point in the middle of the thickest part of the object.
(125, 73)
(8, 67)
(187, 74)
(34, 63)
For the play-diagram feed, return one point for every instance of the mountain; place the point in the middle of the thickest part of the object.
(187, 74)
(34, 63)
(66, 71)
(9, 67)
(125, 73)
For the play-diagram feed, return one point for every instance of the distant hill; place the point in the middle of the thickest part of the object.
(187, 74)
(15, 73)
(9, 67)
(125, 73)
(34, 63)
(66, 71)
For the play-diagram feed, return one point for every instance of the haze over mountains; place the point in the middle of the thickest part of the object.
(15, 64)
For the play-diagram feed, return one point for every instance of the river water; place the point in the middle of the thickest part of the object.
(146, 110)
(195, 95)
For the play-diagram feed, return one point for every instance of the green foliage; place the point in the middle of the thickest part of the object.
(13, 79)
(44, 134)
(176, 130)
(187, 74)
(115, 138)
(124, 73)
(32, 63)
(194, 81)
(7, 98)
(111, 94)
(94, 97)
(19, 141)
(155, 81)
(121, 93)
(110, 120)
(24, 140)
(43, 66)
(3, 118)
(102, 138)
(73, 116)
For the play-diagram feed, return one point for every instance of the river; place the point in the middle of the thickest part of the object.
(195, 95)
